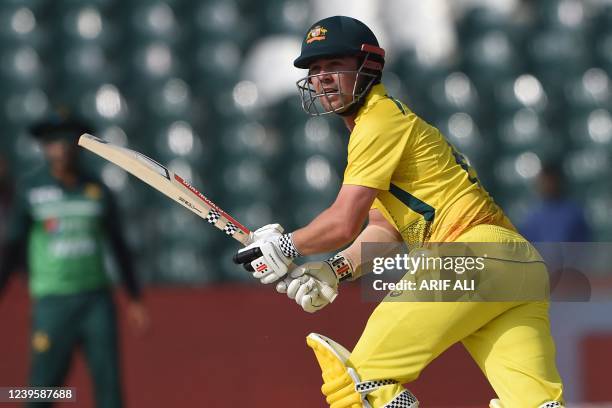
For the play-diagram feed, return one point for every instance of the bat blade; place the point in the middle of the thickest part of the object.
(175, 187)
(168, 183)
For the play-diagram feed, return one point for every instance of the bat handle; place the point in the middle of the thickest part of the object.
(247, 256)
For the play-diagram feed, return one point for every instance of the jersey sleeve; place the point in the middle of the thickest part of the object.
(374, 154)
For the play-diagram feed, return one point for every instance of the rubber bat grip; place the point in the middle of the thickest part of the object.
(247, 256)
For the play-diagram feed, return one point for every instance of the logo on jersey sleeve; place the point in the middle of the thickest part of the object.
(41, 341)
(317, 33)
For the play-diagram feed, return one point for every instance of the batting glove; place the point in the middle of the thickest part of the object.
(268, 259)
(266, 232)
(305, 283)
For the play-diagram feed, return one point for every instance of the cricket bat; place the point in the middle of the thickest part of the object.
(175, 187)
(168, 183)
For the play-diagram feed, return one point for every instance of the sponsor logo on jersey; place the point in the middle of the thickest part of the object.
(92, 191)
(45, 194)
(72, 248)
(317, 33)
(67, 208)
(52, 225)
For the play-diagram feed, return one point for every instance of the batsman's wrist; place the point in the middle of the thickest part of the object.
(287, 246)
(341, 266)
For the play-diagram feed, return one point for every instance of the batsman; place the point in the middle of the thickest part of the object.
(404, 182)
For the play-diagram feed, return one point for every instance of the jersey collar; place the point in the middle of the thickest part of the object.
(377, 93)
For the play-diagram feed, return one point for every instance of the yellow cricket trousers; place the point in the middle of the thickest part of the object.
(510, 341)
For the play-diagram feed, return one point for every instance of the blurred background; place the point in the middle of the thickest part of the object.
(208, 88)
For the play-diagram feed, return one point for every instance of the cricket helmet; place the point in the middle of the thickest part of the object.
(340, 36)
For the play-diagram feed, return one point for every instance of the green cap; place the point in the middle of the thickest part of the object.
(338, 36)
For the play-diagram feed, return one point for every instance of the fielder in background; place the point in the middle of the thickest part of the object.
(556, 217)
(61, 219)
(410, 185)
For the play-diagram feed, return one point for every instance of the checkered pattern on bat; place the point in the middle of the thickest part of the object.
(213, 216)
(230, 229)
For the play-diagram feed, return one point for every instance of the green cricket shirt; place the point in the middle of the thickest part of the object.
(65, 232)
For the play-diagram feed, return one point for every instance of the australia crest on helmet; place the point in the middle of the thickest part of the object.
(316, 33)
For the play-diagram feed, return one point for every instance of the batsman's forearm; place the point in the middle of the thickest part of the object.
(328, 232)
(373, 233)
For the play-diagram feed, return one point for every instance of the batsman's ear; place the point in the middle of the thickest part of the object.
(246, 256)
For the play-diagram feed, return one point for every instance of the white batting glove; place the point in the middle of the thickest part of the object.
(305, 283)
(266, 232)
(307, 294)
(273, 264)
(269, 258)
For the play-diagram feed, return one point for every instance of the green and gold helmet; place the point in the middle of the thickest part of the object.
(340, 36)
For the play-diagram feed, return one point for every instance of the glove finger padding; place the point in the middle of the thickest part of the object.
(295, 285)
(306, 293)
(313, 301)
(304, 289)
(271, 278)
(299, 271)
(283, 284)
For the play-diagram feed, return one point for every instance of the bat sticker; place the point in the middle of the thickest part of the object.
(153, 165)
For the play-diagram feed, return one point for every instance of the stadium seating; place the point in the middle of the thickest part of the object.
(165, 77)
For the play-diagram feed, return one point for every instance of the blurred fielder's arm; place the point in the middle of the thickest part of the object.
(14, 244)
(120, 248)
(137, 313)
(14, 254)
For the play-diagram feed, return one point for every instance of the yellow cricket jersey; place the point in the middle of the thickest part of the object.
(428, 190)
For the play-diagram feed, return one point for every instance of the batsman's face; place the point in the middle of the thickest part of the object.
(334, 81)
